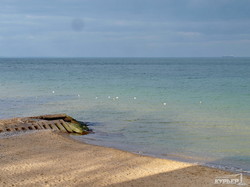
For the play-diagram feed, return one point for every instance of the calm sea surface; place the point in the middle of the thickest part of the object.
(190, 109)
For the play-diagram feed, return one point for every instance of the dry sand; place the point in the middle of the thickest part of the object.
(45, 158)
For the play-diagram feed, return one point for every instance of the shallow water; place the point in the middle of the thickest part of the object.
(193, 109)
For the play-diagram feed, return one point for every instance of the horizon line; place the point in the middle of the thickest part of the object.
(229, 56)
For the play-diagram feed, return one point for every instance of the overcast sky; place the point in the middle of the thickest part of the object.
(124, 28)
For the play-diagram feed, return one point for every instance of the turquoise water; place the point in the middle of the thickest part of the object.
(192, 109)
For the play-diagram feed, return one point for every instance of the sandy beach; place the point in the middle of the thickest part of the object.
(46, 158)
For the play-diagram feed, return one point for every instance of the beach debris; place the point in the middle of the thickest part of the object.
(57, 122)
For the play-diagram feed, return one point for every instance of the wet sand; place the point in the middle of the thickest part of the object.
(46, 158)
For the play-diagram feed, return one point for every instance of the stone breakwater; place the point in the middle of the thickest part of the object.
(57, 122)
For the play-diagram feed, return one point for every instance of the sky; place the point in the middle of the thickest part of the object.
(124, 28)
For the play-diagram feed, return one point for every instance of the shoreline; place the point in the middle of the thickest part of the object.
(46, 158)
(174, 157)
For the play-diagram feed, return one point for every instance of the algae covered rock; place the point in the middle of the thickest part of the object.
(72, 125)
(59, 122)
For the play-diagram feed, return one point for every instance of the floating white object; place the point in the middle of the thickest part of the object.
(134, 97)
(53, 91)
(109, 97)
(117, 97)
(96, 97)
(200, 102)
(164, 104)
(78, 95)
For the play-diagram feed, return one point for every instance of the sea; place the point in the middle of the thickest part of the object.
(187, 109)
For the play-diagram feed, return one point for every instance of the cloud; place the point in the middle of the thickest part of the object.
(132, 27)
